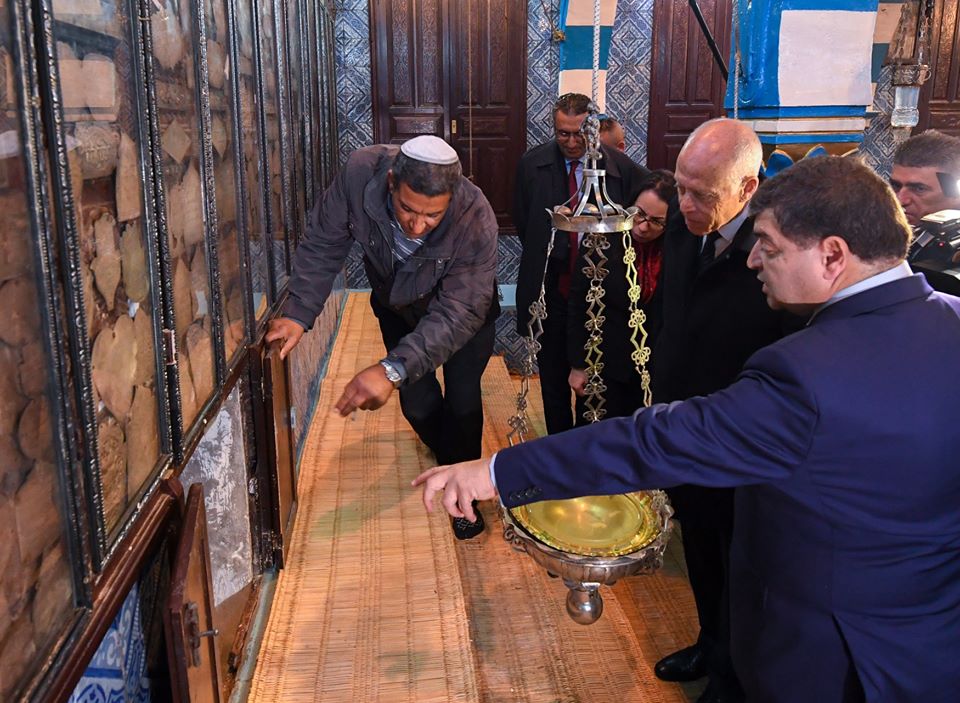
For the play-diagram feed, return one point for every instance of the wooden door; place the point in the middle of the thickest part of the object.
(940, 95)
(455, 69)
(188, 618)
(276, 397)
(488, 102)
(409, 55)
(686, 87)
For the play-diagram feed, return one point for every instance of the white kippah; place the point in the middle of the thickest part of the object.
(431, 149)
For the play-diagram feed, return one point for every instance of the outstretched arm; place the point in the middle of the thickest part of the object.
(461, 485)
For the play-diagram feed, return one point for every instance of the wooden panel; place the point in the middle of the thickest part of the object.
(940, 96)
(686, 85)
(430, 36)
(687, 121)
(499, 46)
(485, 126)
(192, 652)
(280, 450)
(408, 69)
(677, 28)
(402, 88)
(411, 125)
(488, 91)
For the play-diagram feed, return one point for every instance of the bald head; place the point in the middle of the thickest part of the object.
(717, 173)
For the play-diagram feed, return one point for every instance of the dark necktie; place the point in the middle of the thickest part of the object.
(709, 251)
(563, 282)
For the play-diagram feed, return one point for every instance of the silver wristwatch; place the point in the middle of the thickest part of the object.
(392, 374)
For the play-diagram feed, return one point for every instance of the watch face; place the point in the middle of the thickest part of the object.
(392, 375)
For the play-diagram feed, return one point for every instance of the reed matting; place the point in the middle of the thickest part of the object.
(378, 601)
(369, 606)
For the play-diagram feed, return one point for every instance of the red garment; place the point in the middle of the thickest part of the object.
(649, 261)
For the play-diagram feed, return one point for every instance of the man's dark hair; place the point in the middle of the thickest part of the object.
(660, 182)
(835, 195)
(608, 123)
(572, 104)
(424, 178)
(930, 148)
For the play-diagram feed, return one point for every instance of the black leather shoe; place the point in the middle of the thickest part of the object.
(464, 529)
(687, 664)
(715, 693)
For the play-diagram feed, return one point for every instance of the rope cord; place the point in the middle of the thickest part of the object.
(596, 51)
(470, 87)
(736, 59)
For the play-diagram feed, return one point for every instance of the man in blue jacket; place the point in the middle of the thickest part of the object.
(841, 439)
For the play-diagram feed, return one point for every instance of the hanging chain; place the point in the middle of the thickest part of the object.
(519, 422)
(641, 352)
(594, 245)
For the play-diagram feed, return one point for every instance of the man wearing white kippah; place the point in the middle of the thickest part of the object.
(429, 242)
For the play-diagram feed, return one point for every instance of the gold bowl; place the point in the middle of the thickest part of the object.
(592, 541)
(592, 526)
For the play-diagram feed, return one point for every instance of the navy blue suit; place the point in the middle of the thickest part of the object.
(843, 439)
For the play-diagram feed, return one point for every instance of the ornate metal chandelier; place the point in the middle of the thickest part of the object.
(595, 216)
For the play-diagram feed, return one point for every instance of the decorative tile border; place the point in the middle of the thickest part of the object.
(117, 672)
(353, 66)
(628, 78)
(880, 140)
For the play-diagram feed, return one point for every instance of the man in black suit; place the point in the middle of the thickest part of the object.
(549, 175)
(714, 317)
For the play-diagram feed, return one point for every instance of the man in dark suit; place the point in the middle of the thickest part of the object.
(549, 175)
(841, 439)
(714, 318)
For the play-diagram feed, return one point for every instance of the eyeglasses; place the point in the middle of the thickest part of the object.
(641, 216)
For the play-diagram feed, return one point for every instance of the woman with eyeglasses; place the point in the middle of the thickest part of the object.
(624, 393)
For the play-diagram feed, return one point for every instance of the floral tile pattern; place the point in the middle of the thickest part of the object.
(117, 672)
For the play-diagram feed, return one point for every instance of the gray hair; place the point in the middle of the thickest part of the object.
(425, 178)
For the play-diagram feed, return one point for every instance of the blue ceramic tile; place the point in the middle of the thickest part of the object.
(117, 672)
(880, 140)
(354, 107)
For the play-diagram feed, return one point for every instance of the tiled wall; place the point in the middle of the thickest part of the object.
(880, 139)
(351, 30)
(117, 671)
